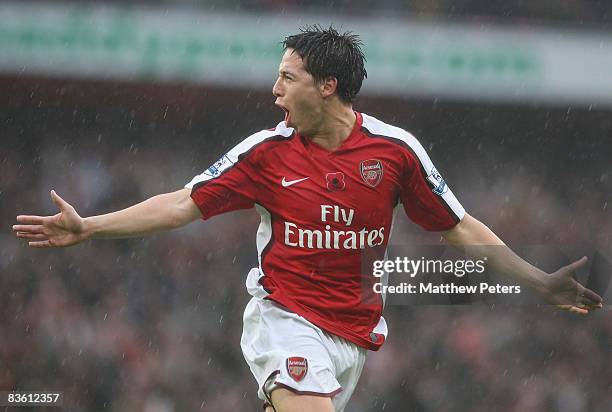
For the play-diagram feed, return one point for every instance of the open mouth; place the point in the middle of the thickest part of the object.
(287, 115)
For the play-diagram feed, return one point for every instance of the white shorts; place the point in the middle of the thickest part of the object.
(285, 350)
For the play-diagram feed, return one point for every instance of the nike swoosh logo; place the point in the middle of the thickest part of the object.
(288, 183)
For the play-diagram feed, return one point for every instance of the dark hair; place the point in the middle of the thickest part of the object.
(326, 53)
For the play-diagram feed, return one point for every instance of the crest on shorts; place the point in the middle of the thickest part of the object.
(371, 171)
(297, 367)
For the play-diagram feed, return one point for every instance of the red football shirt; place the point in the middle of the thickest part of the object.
(320, 210)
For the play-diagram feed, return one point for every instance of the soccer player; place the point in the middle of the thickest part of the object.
(327, 182)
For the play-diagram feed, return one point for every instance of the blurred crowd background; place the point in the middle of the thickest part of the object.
(154, 324)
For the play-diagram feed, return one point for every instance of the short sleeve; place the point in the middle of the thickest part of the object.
(231, 182)
(427, 199)
(225, 186)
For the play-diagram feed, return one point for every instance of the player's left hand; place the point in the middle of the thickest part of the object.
(562, 290)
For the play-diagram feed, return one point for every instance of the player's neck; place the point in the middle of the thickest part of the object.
(335, 128)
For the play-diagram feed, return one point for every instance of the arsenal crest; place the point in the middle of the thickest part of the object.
(371, 171)
(297, 367)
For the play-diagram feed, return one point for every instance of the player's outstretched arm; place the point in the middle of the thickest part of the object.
(67, 228)
(559, 288)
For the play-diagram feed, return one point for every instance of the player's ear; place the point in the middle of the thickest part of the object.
(328, 86)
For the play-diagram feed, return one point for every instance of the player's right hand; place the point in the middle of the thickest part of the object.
(63, 229)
